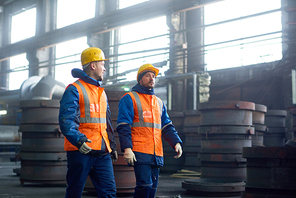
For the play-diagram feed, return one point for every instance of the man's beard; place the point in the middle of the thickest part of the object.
(150, 85)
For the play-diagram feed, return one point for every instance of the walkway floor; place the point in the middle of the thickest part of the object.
(10, 186)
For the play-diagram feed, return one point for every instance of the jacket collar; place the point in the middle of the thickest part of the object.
(144, 90)
(78, 73)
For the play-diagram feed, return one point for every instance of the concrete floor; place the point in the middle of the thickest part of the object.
(10, 186)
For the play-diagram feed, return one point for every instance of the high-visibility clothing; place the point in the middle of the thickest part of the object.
(93, 105)
(146, 127)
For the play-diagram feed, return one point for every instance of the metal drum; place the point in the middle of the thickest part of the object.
(225, 128)
(259, 124)
(43, 159)
(40, 112)
(275, 118)
(211, 188)
(230, 113)
(271, 172)
(221, 150)
(275, 135)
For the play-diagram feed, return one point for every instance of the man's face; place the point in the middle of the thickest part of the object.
(148, 80)
(99, 70)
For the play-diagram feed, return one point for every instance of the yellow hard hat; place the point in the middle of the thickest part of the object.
(92, 54)
(147, 67)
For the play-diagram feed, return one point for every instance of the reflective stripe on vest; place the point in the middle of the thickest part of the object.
(141, 122)
(88, 118)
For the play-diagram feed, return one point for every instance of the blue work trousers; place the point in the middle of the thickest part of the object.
(99, 169)
(146, 180)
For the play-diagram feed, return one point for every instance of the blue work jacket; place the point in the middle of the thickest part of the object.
(70, 112)
(125, 120)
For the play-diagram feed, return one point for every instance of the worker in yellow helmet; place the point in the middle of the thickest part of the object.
(85, 121)
(142, 122)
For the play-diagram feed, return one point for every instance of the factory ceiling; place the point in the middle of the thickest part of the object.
(102, 23)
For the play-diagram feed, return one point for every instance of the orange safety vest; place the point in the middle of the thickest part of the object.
(93, 122)
(146, 127)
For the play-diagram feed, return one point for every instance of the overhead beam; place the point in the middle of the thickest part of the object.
(102, 24)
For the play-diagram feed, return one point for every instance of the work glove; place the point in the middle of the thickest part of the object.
(129, 156)
(114, 156)
(84, 149)
(178, 149)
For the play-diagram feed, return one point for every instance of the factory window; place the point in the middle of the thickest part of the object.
(140, 43)
(74, 11)
(19, 71)
(125, 3)
(21, 30)
(68, 57)
(242, 32)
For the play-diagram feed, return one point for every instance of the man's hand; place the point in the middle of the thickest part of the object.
(114, 156)
(84, 149)
(178, 149)
(129, 156)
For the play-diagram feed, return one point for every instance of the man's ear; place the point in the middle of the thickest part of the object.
(140, 81)
(92, 65)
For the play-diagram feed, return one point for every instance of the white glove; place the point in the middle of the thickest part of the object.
(84, 149)
(178, 149)
(129, 156)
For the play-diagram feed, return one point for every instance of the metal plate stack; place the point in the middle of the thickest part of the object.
(271, 172)
(226, 127)
(43, 159)
(275, 135)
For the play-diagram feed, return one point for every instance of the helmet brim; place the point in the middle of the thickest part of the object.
(154, 70)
